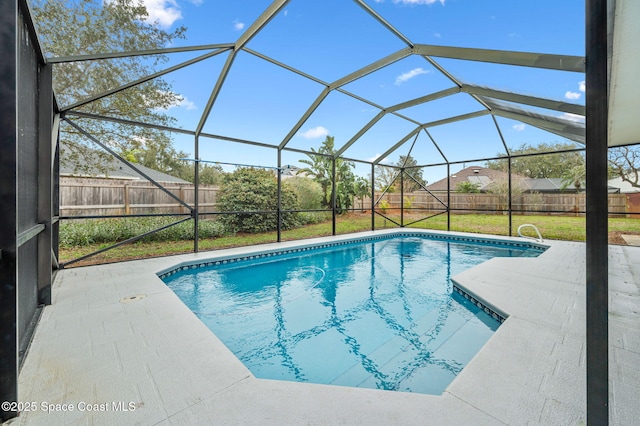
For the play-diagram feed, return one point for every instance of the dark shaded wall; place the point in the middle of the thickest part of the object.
(26, 108)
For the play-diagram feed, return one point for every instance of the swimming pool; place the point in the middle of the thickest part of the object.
(379, 313)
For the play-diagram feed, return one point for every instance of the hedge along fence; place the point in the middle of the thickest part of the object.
(96, 196)
(526, 203)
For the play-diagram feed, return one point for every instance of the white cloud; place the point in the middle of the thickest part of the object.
(572, 95)
(179, 102)
(186, 103)
(419, 1)
(582, 86)
(237, 25)
(519, 127)
(316, 132)
(572, 117)
(383, 161)
(437, 35)
(164, 12)
(409, 75)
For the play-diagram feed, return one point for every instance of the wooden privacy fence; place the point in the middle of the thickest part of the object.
(534, 202)
(95, 196)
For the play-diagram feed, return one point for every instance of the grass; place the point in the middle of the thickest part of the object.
(568, 228)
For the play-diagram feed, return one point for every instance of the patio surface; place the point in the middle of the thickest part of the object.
(148, 360)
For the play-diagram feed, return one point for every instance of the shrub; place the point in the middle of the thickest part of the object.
(309, 195)
(310, 218)
(384, 205)
(247, 190)
(467, 187)
(111, 230)
(408, 202)
(308, 192)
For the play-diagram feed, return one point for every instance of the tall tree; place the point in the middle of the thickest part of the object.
(412, 180)
(209, 174)
(321, 168)
(76, 27)
(388, 177)
(624, 162)
(385, 177)
(553, 165)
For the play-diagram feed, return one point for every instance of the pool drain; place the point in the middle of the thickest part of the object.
(133, 298)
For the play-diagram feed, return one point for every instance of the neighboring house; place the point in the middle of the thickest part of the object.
(555, 185)
(622, 186)
(548, 185)
(485, 179)
(292, 171)
(114, 169)
(112, 187)
(482, 177)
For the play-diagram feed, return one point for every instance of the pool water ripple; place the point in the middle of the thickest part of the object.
(377, 314)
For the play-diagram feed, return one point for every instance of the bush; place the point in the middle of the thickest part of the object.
(308, 192)
(467, 187)
(247, 190)
(309, 195)
(310, 218)
(384, 205)
(111, 230)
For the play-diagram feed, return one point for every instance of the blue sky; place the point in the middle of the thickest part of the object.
(332, 38)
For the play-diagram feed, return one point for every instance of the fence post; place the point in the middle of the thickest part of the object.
(127, 203)
(181, 195)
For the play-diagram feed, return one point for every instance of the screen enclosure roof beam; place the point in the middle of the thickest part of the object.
(505, 57)
(113, 55)
(382, 21)
(524, 99)
(141, 80)
(262, 20)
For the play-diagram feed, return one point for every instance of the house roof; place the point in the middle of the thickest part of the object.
(481, 176)
(622, 186)
(485, 177)
(547, 185)
(113, 169)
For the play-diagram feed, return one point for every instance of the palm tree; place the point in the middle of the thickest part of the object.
(321, 168)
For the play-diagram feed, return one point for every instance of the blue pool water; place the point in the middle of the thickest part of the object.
(377, 314)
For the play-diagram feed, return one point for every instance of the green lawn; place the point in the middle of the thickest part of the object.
(551, 227)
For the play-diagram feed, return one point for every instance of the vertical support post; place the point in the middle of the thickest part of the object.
(333, 195)
(8, 206)
(597, 267)
(510, 199)
(279, 171)
(506, 149)
(196, 195)
(402, 198)
(55, 192)
(448, 196)
(373, 197)
(45, 189)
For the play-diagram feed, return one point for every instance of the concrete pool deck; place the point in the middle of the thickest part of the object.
(115, 358)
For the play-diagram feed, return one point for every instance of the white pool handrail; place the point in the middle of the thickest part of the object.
(524, 225)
